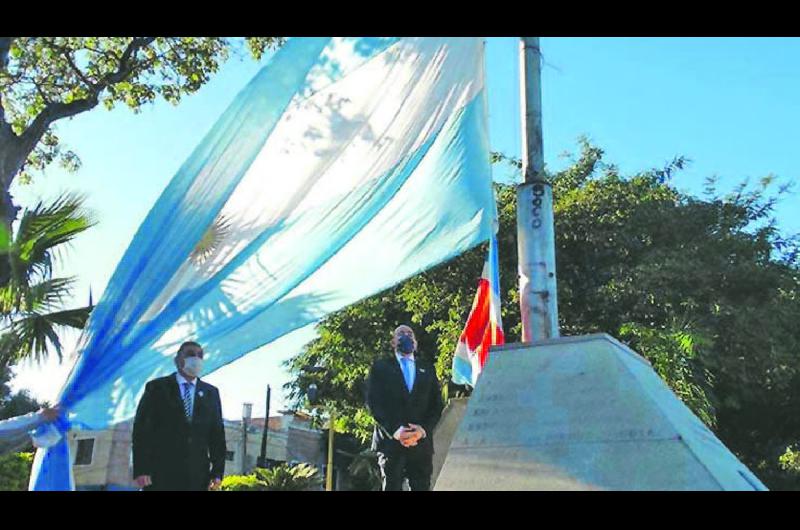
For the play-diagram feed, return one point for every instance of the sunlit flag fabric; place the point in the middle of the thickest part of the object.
(345, 166)
(484, 327)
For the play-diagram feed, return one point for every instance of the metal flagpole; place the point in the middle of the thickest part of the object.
(247, 412)
(264, 434)
(535, 229)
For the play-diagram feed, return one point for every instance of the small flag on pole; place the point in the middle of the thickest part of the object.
(484, 327)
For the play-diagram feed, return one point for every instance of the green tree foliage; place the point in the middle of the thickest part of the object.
(31, 299)
(790, 460)
(15, 471)
(46, 79)
(283, 477)
(706, 288)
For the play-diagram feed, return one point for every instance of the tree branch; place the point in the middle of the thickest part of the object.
(107, 53)
(125, 69)
(66, 52)
(171, 63)
(5, 47)
(45, 97)
(57, 110)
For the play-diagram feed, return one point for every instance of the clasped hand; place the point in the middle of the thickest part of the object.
(411, 435)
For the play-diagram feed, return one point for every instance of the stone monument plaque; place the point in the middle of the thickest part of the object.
(582, 413)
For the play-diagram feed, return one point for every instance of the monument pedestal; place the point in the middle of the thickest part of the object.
(445, 431)
(582, 413)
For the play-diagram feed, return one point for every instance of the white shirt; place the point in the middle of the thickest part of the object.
(181, 381)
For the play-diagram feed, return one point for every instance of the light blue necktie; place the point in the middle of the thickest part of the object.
(187, 400)
(406, 364)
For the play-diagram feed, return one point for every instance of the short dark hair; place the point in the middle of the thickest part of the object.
(188, 344)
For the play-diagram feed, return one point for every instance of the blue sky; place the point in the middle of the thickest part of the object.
(731, 105)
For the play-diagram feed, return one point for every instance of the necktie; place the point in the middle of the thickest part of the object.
(406, 363)
(187, 400)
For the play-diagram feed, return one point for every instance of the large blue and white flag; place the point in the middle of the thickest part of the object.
(344, 167)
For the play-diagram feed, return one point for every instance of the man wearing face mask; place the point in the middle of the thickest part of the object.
(178, 434)
(404, 398)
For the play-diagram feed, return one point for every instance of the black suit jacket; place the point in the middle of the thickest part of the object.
(176, 453)
(392, 405)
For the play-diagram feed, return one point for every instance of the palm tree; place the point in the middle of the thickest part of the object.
(31, 300)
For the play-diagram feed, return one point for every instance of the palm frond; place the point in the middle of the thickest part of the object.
(9, 299)
(5, 238)
(9, 348)
(33, 335)
(41, 230)
(30, 299)
(47, 294)
(43, 296)
(27, 337)
(72, 318)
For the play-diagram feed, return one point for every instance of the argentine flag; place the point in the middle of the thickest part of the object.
(345, 166)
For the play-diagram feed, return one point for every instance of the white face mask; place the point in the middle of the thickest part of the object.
(193, 366)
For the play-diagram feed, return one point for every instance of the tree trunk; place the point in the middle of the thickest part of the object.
(9, 151)
(12, 157)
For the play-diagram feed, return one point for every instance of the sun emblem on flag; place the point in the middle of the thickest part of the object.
(210, 241)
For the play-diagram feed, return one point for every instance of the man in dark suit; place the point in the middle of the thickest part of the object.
(178, 434)
(404, 398)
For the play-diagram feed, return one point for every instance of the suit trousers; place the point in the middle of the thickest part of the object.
(413, 464)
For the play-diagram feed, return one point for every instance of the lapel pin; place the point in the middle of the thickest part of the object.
(199, 393)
